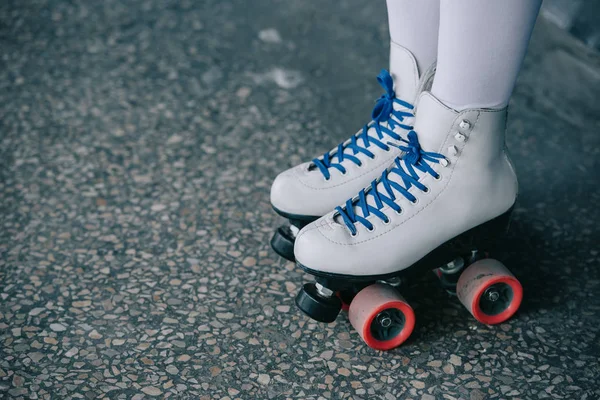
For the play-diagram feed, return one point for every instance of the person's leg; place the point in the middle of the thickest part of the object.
(481, 48)
(414, 26)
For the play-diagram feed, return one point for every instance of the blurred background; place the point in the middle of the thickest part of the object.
(579, 17)
(138, 142)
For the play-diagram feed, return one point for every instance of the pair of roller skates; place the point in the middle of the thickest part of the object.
(433, 189)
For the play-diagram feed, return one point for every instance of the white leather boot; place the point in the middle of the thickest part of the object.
(439, 205)
(455, 175)
(305, 192)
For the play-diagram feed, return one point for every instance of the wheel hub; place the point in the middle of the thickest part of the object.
(492, 294)
(384, 319)
(387, 324)
(496, 298)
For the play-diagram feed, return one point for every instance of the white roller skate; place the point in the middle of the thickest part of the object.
(441, 202)
(305, 192)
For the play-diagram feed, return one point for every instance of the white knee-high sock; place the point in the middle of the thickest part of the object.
(481, 47)
(414, 26)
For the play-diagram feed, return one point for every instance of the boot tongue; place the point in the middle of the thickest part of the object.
(433, 122)
(405, 73)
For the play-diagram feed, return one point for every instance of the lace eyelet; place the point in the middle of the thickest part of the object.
(464, 124)
(355, 234)
(426, 190)
(345, 172)
(439, 177)
(371, 230)
(387, 221)
(415, 202)
(399, 212)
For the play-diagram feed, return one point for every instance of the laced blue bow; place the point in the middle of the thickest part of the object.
(406, 166)
(382, 113)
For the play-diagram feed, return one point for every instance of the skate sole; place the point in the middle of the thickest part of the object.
(480, 237)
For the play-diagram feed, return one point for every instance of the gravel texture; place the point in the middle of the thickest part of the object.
(138, 142)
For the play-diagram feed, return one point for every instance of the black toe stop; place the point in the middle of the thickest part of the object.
(283, 243)
(319, 308)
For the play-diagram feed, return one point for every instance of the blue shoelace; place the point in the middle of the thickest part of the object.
(405, 167)
(382, 112)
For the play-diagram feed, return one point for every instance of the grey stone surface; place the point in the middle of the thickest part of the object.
(138, 141)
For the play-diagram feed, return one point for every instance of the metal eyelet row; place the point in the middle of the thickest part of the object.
(464, 125)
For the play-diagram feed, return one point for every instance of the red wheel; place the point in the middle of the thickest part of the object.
(381, 316)
(489, 291)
